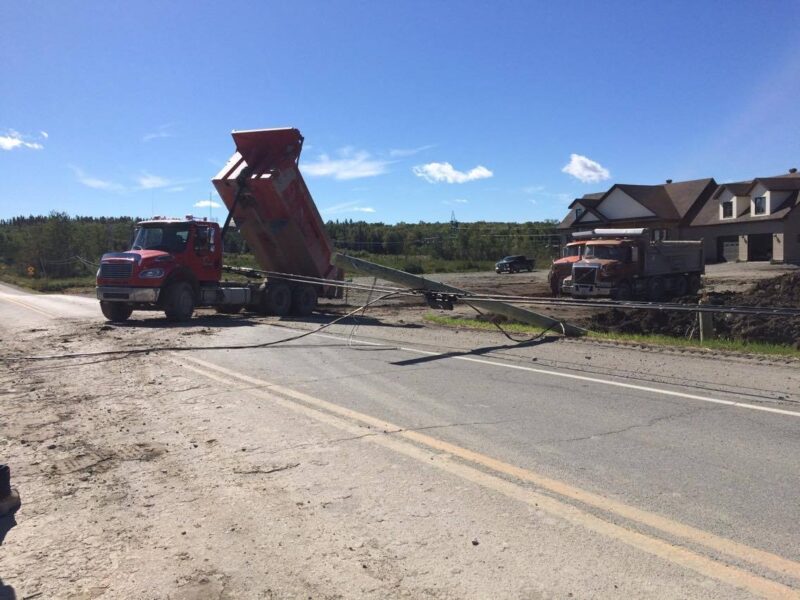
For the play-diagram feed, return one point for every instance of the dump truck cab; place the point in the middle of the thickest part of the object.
(166, 254)
(562, 267)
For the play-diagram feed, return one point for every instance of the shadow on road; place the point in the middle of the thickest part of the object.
(202, 320)
(7, 592)
(327, 317)
(476, 351)
(7, 523)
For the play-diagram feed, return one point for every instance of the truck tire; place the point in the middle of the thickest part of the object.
(655, 289)
(681, 286)
(278, 299)
(116, 312)
(179, 302)
(304, 300)
(694, 284)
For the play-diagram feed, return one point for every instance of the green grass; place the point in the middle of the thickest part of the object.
(412, 263)
(43, 284)
(654, 339)
(423, 263)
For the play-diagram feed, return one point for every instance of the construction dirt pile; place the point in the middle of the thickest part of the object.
(783, 291)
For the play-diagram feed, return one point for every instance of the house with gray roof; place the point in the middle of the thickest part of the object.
(664, 209)
(750, 220)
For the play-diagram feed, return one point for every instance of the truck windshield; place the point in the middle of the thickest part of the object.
(169, 238)
(619, 253)
(573, 250)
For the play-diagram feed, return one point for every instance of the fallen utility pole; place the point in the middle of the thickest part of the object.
(444, 294)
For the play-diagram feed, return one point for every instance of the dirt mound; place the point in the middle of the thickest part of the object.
(783, 291)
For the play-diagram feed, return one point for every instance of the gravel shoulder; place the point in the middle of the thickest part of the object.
(142, 479)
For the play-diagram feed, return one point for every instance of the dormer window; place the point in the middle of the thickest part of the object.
(579, 211)
(760, 205)
(727, 209)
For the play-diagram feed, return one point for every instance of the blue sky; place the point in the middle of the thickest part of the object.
(410, 110)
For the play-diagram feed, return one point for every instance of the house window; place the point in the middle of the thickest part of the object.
(579, 212)
(760, 205)
(727, 209)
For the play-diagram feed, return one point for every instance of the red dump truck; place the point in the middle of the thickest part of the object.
(625, 263)
(175, 265)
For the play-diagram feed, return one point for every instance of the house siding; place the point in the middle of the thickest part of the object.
(619, 205)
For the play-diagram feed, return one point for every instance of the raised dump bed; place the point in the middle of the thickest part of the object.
(268, 199)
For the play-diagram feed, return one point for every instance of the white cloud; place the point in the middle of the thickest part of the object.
(533, 189)
(95, 183)
(13, 139)
(403, 152)
(455, 201)
(585, 169)
(207, 204)
(349, 164)
(541, 192)
(161, 132)
(45, 135)
(347, 207)
(147, 181)
(444, 172)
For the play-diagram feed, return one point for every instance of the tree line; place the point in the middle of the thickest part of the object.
(59, 245)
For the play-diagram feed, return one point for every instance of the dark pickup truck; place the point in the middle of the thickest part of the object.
(514, 264)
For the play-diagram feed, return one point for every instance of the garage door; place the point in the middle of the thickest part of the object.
(759, 246)
(728, 248)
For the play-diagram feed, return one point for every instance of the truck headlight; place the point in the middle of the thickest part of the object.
(151, 274)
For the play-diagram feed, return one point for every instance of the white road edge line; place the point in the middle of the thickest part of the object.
(630, 386)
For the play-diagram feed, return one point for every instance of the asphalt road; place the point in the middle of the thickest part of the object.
(693, 462)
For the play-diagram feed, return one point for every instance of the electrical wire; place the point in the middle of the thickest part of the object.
(133, 351)
(777, 311)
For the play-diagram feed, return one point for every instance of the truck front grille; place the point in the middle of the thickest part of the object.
(584, 275)
(116, 270)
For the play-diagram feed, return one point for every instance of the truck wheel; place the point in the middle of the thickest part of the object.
(278, 299)
(180, 302)
(623, 291)
(681, 286)
(304, 300)
(116, 312)
(694, 284)
(655, 289)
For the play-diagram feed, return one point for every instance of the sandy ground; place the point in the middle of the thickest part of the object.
(141, 480)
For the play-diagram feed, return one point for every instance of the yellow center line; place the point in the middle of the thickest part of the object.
(328, 412)
(29, 307)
